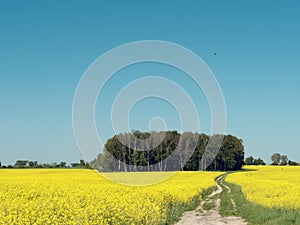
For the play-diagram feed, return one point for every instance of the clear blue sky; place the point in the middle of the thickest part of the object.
(45, 47)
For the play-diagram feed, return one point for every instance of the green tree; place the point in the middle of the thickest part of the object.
(31, 164)
(275, 158)
(292, 163)
(284, 160)
(21, 163)
(75, 165)
(231, 154)
(62, 164)
(167, 151)
(249, 160)
(258, 161)
(82, 163)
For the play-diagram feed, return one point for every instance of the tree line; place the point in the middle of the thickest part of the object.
(36, 164)
(170, 150)
(252, 161)
(283, 160)
(166, 151)
(277, 160)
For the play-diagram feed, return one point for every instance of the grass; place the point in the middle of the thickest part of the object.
(255, 214)
(226, 207)
(176, 211)
(209, 205)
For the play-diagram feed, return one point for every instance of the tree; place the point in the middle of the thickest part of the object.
(284, 160)
(258, 161)
(21, 163)
(252, 161)
(62, 164)
(82, 163)
(35, 164)
(231, 154)
(75, 165)
(167, 151)
(249, 160)
(275, 158)
(292, 163)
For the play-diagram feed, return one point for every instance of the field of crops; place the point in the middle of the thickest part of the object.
(270, 186)
(67, 196)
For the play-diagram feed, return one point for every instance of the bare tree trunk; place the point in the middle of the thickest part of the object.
(160, 159)
(129, 149)
(125, 167)
(148, 156)
(136, 158)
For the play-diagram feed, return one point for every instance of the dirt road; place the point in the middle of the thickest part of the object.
(212, 216)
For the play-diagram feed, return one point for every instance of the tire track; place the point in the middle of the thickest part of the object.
(212, 216)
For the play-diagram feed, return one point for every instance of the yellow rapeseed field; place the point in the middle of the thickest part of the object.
(74, 196)
(270, 186)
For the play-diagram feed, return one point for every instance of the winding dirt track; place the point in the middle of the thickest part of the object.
(211, 217)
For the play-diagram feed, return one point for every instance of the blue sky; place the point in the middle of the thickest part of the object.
(45, 47)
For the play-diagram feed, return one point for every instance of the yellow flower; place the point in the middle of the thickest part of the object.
(64, 196)
(270, 186)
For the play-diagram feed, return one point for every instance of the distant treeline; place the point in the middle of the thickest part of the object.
(282, 160)
(277, 160)
(36, 164)
(252, 161)
(168, 151)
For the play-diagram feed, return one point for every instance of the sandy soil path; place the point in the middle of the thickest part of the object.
(211, 217)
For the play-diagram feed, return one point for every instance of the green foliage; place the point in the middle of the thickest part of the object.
(275, 158)
(21, 163)
(81, 164)
(35, 164)
(230, 156)
(284, 160)
(167, 151)
(292, 163)
(249, 160)
(252, 161)
(258, 161)
(208, 205)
